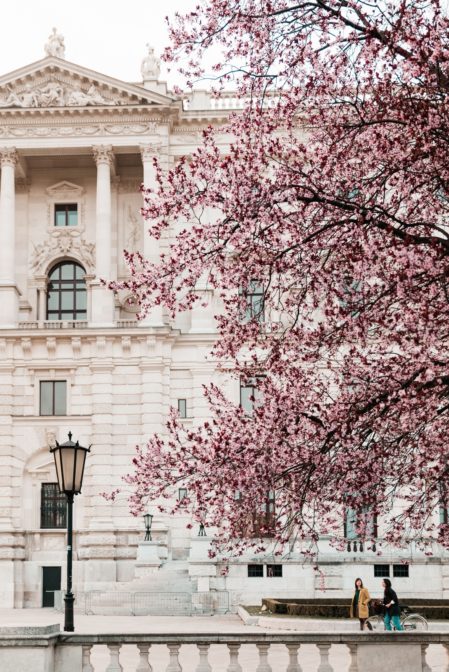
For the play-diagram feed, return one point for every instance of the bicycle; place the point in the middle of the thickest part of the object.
(410, 621)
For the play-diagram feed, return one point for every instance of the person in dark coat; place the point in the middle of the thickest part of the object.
(391, 604)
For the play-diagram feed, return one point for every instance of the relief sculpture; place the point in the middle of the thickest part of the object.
(54, 94)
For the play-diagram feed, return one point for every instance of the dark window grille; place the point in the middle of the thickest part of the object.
(53, 507)
(66, 214)
(274, 571)
(381, 571)
(255, 571)
(400, 571)
(66, 295)
(53, 397)
(182, 408)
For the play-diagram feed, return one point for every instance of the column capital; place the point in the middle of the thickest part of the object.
(8, 156)
(103, 154)
(148, 152)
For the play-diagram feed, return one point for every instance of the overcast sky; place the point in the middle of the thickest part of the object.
(104, 35)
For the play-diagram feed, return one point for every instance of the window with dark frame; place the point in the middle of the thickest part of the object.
(182, 408)
(381, 571)
(356, 519)
(66, 293)
(182, 494)
(254, 302)
(274, 571)
(255, 571)
(53, 397)
(250, 395)
(401, 571)
(53, 507)
(66, 214)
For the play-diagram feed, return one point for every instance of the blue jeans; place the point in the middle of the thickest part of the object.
(396, 622)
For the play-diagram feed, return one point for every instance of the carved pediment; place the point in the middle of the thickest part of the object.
(52, 83)
(65, 190)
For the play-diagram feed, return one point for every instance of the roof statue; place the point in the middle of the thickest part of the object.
(151, 66)
(55, 45)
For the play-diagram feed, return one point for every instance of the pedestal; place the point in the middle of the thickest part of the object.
(148, 560)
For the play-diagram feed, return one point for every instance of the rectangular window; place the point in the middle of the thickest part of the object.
(182, 408)
(381, 571)
(274, 571)
(254, 302)
(400, 571)
(53, 397)
(53, 507)
(255, 571)
(182, 494)
(363, 520)
(250, 395)
(66, 214)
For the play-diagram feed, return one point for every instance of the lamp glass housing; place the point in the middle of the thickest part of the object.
(70, 459)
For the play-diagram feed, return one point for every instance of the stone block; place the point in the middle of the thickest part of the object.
(377, 657)
(202, 569)
(28, 657)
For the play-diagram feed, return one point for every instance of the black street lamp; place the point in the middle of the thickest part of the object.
(69, 459)
(148, 519)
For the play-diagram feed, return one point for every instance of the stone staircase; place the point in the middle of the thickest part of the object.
(166, 591)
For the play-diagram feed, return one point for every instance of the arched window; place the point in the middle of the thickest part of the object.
(66, 292)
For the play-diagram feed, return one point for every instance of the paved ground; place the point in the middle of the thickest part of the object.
(309, 658)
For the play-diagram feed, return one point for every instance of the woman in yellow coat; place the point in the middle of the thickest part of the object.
(359, 604)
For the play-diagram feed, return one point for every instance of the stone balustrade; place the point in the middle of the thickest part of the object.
(48, 650)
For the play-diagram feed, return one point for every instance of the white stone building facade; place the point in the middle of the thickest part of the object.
(75, 146)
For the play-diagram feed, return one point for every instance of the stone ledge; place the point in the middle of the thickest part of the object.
(29, 630)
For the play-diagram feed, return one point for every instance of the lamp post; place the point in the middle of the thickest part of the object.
(148, 519)
(69, 459)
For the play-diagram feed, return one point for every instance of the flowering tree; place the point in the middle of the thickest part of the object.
(330, 208)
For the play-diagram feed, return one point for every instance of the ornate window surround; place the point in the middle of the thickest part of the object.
(66, 192)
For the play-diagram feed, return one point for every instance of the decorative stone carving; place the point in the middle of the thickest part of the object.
(148, 152)
(65, 190)
(8, 156)
(55, 94)
(133, 230)
(151, 66)
(55, 45)
(103, 154)
(68, 131)
(62, 243)
(50, 437)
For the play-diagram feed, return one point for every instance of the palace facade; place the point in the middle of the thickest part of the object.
(75, 147)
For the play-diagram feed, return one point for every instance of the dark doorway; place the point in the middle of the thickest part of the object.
(51, 581)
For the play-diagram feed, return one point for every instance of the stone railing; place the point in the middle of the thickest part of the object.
(46, 650)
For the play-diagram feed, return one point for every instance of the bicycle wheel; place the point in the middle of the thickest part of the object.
(377, 622)
(415, 623)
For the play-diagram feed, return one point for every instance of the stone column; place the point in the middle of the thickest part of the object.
(8, 290)
(102, 297)
(151, 246)
(41, 286)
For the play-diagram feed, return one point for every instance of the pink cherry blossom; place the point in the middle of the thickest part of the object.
(334, 196)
